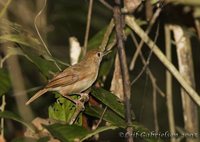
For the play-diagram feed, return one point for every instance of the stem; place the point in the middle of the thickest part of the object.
(153, 19)
(185, 62)
(169, 98)
(39, 35)
(2, 108)
(124, 68)
(87, 27)
(191, 92)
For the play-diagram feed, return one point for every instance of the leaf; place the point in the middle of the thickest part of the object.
(96, 40)
(109, 100)
(5, 83)
(15, 117)
(44, 139)
(106, 65)
(109, 116)
(26, 40)
(62, 110)
(70, 133)
(115, 120)
(45, 67)
(10, 51)
(5, 8)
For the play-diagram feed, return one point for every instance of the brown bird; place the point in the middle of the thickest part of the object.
(74, 79)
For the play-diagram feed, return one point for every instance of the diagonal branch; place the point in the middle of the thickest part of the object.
(191, 92)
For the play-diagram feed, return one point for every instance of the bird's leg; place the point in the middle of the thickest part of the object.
(79, 106)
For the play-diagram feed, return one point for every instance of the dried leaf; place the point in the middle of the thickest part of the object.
(117, 84)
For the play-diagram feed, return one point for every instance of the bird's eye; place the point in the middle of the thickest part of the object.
(98, 54)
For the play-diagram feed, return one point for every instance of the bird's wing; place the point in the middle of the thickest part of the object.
(67, 77)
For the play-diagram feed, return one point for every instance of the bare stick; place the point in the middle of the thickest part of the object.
(2, 108)
(124, 68)
(185, 62)
(156, 14)
(5, 8)
(133, 25)
(87, 27)
(169, 98)
(101, 118)
(197, 24)
(148, 59)
(107, 35)
(106, 4)
(38, 32)
(148, 71)
(155, 114)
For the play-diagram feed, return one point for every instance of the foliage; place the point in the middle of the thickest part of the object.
(108, 110)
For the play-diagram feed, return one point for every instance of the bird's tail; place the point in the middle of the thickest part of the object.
(37, 95)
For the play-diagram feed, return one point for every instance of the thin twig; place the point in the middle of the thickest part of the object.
(133, 25)
(169, 98)
(38, 32)
(155, 114)
(124, 68)
(107, 35)
(106, 4)
(87, 27)
(153, 19)
(101, 118)
(197, 24)
(148, 58)
(2, 108)
(154, 86)
(5, 8)
(148, 71)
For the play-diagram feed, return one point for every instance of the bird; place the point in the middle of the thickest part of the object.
(74, 79)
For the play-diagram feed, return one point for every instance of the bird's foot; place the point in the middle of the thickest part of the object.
(84, 97)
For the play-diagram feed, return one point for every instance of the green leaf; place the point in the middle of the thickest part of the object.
(26, 40)
(44, 139)
(15, 117)
(46, 67)
(115, 120)
(109, 100)
(5, 83)
(5, 8)
(11, 51)
(96, 40)
(68, 133)
(63, 109)
(106, 65)
(109, 116)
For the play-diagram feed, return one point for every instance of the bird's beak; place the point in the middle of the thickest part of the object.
(106, 52)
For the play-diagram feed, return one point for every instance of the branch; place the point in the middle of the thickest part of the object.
(132, 24)
(157, 13)
(124, 68)
(87, 27)
(169, 97)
